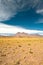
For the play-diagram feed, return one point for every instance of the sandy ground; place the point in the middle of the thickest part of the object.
(21, 51)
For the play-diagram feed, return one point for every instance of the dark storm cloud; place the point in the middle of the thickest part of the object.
(9, 8)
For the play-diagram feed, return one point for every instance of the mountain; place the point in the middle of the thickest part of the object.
(19, 34)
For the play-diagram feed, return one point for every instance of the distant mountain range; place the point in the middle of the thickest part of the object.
(26, 35)
(19, 34)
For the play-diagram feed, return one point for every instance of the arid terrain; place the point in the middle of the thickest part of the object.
(21, 50)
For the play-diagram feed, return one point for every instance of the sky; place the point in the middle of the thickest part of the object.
(21, 16)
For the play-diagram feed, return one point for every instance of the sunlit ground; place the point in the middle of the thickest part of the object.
(21, 51)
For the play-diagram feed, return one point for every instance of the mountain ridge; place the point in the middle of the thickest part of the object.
(21, 34)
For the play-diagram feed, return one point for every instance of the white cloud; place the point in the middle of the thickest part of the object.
(40, 11)
(9, 8)
(10, 30)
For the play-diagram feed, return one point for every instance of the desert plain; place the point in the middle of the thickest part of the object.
(21, 50)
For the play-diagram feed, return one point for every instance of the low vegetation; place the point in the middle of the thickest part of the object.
(21, 50)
